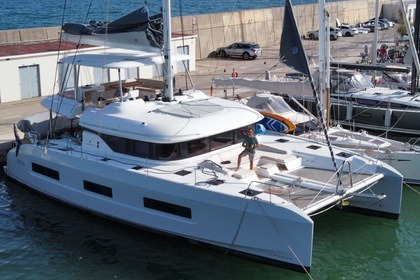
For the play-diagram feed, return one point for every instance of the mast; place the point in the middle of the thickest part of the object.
(321, 53)
(375, 36)
(324, 58)
(414, 46)
(293, 54)
(167, 37)
(414, 68)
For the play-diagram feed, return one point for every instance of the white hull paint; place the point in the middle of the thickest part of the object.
(217, 219)
(263, 227)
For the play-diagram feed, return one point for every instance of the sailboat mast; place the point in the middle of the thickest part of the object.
(167, 37)
(413, 45)
(321, 49)
(293, 55)
(414, 67)
(323, 52)
(375, 36)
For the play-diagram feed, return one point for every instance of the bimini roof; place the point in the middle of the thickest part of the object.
(120, 59)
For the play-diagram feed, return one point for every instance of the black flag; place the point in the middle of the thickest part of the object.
(291, 50)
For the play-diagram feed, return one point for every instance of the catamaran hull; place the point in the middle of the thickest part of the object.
(406, 163)
(382, 200)
(278, 235)
(393, 121)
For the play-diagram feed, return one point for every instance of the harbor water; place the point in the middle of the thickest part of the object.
(44, 13)
(43, 239)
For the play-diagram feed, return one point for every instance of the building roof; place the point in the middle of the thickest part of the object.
(39, 47)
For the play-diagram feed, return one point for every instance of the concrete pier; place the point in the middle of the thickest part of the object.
(220, 29)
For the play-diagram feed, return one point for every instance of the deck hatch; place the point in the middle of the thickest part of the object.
(281, 140)
(51, 173)
(137, 167)
(182, 172)
(250, 192)
(216, 182)
(167, 207)
(313, 147)
(344, 155)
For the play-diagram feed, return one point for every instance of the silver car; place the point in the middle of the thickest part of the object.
(240, 49)
(334, 34)
(348, 30)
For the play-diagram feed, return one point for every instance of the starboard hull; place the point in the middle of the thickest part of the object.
(169, 207)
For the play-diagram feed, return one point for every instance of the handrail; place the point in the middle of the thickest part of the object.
(413, 141)
(340, 174)
(285, 188)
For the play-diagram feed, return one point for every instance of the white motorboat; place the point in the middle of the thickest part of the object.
(168, 162)
(403, 156)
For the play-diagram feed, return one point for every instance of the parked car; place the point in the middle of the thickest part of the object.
(371, 25)
(334, 34)
(363, 30)
(389, 23)
(403, 38)
(348, 30)
(241, 49)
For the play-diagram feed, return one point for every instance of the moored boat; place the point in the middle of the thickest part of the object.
(403, 156)
(145, 154)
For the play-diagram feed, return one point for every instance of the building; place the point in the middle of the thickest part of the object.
(30, 69)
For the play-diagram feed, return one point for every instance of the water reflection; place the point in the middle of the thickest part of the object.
(41, 238)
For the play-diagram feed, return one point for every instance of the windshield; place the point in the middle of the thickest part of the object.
(350, 82)
(273, 104)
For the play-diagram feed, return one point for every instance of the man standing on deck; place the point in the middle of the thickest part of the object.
(250, 143)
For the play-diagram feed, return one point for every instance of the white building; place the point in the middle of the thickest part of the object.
(30, 70)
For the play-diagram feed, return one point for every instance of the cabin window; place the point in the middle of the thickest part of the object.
(241, 132)
(167, 207)
(175, 151)
(197, 147)
(127, 146)
(365, 115)
(54, 174)
(167, 151)
(221, 140)
(96, 188)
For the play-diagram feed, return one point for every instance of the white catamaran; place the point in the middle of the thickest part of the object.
(167, 162)
(403, 156)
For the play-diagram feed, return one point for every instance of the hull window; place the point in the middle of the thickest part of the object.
(51, 173)
(96, 188)
(167, 207)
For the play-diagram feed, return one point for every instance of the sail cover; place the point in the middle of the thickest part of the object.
(291, 50)
(137, 21)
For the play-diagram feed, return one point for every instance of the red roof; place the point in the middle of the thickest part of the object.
(50, 46)
(20, 49)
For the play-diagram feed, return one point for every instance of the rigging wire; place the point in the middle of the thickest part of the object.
(283, 237)
(64, 79)
(410, 187)
(183, 40)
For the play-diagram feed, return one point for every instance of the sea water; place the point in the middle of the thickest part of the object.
(43, 239)
(45, 13)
